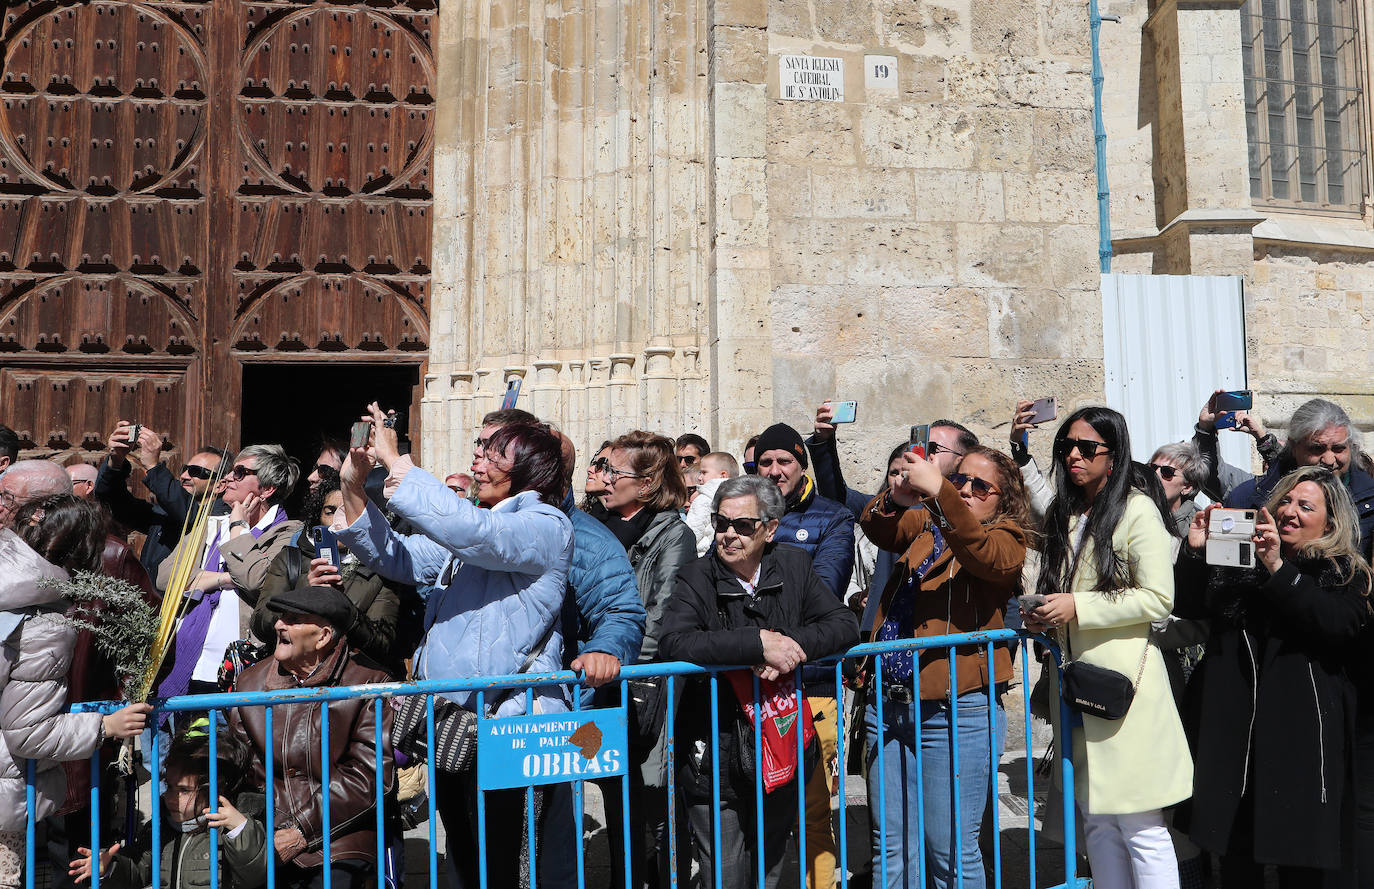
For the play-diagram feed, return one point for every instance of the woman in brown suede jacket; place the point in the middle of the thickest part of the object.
(963, 544)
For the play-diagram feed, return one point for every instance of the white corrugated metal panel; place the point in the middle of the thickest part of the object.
(1168, 341)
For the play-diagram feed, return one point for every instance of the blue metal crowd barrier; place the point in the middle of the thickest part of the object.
(379, 693)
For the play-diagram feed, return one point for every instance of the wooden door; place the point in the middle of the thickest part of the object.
(187, 186)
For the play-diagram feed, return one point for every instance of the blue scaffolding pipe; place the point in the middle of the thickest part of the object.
(1104, 223)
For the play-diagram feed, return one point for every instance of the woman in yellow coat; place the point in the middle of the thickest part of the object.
(1107, 573)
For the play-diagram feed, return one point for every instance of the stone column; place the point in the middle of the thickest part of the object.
(741, 367)
(1201, 154)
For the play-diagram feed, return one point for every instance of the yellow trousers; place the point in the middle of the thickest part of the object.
(820, 835)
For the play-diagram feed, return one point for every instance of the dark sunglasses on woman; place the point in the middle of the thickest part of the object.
(1165, 472)
(240, 472)
(744, 526)
(981, 489)
(1086, 447)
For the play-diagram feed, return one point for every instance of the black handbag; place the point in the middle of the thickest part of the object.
(1098, 691)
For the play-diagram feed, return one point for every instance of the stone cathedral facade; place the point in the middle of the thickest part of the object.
(632, 216)
(642, 211)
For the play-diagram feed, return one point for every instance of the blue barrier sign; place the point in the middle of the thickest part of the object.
(521, 751)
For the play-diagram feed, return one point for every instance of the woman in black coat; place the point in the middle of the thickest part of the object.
(1271, 706)
(746, 602)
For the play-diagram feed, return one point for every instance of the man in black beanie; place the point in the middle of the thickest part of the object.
(824, 529)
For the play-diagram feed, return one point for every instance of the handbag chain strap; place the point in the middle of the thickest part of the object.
(1068, 645)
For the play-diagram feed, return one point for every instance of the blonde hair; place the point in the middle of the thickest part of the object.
(1342, 537)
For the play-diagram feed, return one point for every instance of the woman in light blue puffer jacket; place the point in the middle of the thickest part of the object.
(500, 574)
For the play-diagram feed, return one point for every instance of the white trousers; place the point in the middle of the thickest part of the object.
(1131, 851)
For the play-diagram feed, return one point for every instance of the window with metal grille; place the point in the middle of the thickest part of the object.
(1303, 83)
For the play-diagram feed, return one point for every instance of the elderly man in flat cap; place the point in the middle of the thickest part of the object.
(313, 652)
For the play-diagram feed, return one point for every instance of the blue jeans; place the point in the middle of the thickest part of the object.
(900, 853)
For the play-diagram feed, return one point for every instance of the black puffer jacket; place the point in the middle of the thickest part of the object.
(710, 620)
(1271, 708)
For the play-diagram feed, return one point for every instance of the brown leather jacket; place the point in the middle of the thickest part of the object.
(296, 755)
(966, 590)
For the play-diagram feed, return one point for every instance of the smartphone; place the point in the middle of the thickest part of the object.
(1043, 410)
(1230, 537)
(919, 443)
(512, 393)
(134, 430)
(1237, 400)
(361, 430)
(1226, 420)
(845, 412)
(1030, 601)
(326, 544)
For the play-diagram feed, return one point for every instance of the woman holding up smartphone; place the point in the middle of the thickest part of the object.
(1271, 705)
(961, 561)
(1106, 573)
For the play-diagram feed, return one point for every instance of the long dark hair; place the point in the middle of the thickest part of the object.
(67, 531)
(1113, 571)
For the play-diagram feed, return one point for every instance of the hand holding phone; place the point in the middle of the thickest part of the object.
(1030, 601)
(326, 544)
(845, 412)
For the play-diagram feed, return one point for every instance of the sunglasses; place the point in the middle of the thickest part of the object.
(934, 447)
(981, 489)
(1086, 447)
(240, 472)
(1165, 472)
(751, 468)
(745, 526)
(199, 472)
(324, 469)
(686, 459)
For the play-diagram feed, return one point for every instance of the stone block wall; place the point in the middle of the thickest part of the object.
(933, 247)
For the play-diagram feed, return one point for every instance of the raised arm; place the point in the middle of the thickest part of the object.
(890, 529)
(529, 540)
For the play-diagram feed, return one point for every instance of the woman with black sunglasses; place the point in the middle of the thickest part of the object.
(1106, 574)
(962, 556)
(746, 601)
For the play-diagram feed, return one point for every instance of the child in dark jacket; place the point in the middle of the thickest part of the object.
(185, 830)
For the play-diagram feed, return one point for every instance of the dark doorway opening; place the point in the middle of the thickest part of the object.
(296, 405)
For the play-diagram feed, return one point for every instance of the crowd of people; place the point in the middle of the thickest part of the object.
(1221, 712)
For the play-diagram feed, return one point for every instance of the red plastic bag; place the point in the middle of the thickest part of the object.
(778, 700)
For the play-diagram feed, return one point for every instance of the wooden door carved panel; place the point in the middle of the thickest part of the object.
(186, 186)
